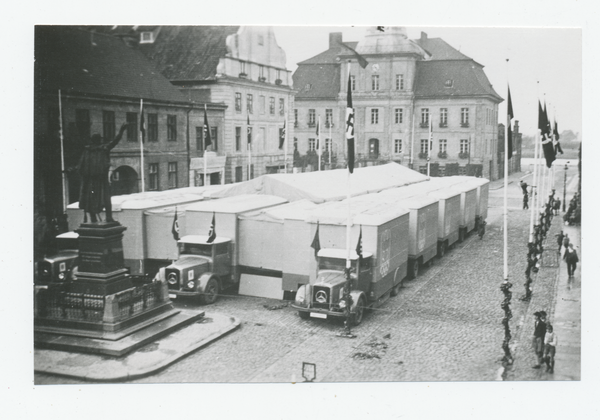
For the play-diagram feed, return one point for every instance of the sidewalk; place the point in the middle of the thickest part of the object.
(513, 178)
(567, 316)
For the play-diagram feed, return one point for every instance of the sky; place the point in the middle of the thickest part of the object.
(543, 63)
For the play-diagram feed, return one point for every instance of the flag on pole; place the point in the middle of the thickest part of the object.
(206, 129)
(318, 136)
(282, 136)
(142, 124)
(558, 149)
(361, 60)
(249, 130)
(175, 227)
(510, 116)
(359, 245)
(430, 146)
(212, 233)
(350, 127)
(316, 244)
(547, 145)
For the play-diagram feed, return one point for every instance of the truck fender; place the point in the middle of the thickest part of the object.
(355, 295)
(203, 281)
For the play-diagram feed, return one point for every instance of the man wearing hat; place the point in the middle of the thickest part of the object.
(539, 333)
(93, 168)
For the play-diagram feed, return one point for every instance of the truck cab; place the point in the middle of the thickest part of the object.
(60, 267)
(325, 297)
(202, 270)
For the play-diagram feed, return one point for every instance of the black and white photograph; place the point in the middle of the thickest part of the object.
(306, 208)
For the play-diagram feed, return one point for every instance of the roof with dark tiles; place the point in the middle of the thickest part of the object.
(76, 60)
(184, 53)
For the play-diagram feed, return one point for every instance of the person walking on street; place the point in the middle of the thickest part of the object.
(557, 204)
(571, 259)
(566, 241)
(525, 201)
(559, 240)
(539, 333)
(550, 343)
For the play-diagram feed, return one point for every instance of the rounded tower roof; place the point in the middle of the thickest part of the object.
(388, 40)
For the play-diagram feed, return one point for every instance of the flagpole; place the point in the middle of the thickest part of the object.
(204, 132)
(506, 199)
(142, 147)
(62, 154)
(319, 142)
(285, 145)
(330, 141)
(533, 187)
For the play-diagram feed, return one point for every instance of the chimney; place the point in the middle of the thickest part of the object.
(423, 36)
(334, 39)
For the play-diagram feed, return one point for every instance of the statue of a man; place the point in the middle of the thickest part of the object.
(93, 168)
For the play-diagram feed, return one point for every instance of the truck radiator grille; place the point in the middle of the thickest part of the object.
(321, 297)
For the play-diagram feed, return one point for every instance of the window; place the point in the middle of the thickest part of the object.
(353, 82)
(424, 146)
(374, 116)
(281, 136)
(398, 146)
(443, 145)
(281, 106)
(200, 138)
(171, 128)
(108, 125)
(295, 143)
(238, 139)
(424, 116)
(375, 82)
(295, 118)
(329, 118)
(152, 127)
(172, 174)
(373, 148)
(464, 117)
(443, 117)
(250, 103)
(262, 104)
(272, 106)
(242, 67)
(146, 38)
(238, 102)
(153, 173)
(238, 174)
(464, 146)
(261, 72)
(398, 115)
(311, 117)
(399, 82)
(278, 74)
(214, 138)
(312, 144)
(82, 122)
(449, 83)
(249, 133)
(132, 128)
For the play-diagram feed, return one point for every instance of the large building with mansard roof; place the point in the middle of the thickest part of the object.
(406, 84)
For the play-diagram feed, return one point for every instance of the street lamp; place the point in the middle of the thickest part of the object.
(565, 187)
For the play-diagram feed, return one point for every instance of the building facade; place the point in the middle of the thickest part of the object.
(514, 163)
(407, 87)
(241, 69)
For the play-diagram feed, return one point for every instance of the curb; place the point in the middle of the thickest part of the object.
(143, 362)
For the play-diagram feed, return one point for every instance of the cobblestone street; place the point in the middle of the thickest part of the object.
(443, 326)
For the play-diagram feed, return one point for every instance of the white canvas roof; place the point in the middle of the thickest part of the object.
(236, 204)
(323, 186)
(298, 210)
(371, 210)
(152, 199)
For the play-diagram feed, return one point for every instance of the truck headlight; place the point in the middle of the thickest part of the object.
(301, 295)
(342, 303)
(190, 284)
(61, 276)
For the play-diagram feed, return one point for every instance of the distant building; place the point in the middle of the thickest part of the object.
(102, 81)
(514, 164)
(407, 84)
(239, 67)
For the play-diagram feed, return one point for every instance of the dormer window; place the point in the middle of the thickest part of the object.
(146, 37)
(449, 83)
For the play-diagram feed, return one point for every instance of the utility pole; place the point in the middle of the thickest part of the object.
(565, 187)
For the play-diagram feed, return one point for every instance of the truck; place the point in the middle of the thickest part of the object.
(205, 268)
(469, 202)
(375, 275)
(62, 266)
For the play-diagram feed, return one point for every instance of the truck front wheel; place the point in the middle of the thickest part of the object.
(359, 311)
(211, 292)
(303, 315)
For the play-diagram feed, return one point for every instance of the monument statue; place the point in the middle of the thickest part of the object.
(93, 167)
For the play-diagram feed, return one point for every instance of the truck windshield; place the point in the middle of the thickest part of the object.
(333, 264)
(195, 249)
(67, 243)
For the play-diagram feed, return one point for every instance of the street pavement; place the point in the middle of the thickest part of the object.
(443, 326)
